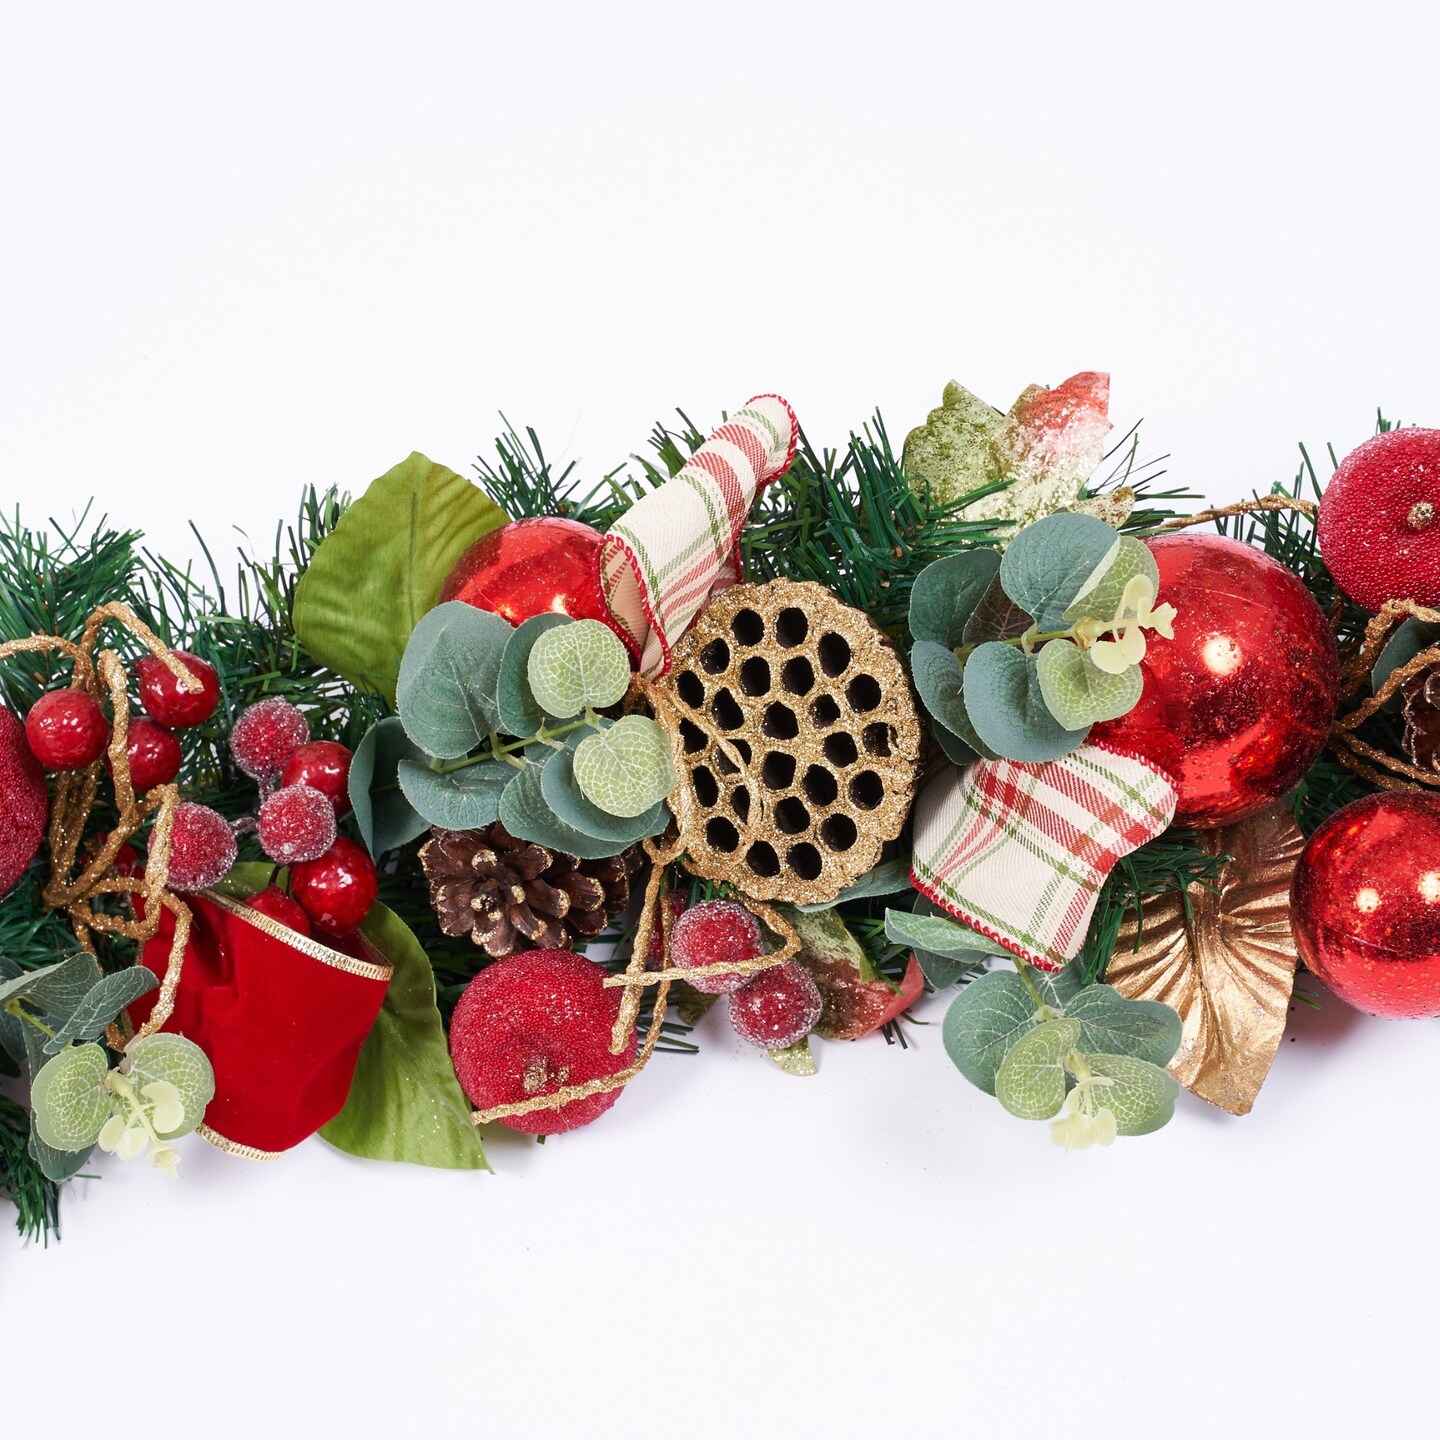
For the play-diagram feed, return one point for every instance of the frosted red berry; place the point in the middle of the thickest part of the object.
(165, 697)
(278, 906)
(153, 753)
(24, 802)
(266, 735)
(1379, 527)
(532, 1023)
(716, 932)
(324, 765)
(296, 823)
(338, 889)
(776, 1008)
(202, 848)
(66, 730)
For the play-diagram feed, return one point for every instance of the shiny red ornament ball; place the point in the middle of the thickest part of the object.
(266, 735)
(777, 1008)
(67, 730)
(534, 1022)
(296, 823)
(531, 567)
(716, 932)
(278, 906)
(337, 890)
(1365, 904)
(24, 802)
(1238, 706)
(202, 848)
(166, 698)
(324, 765)
(1379, 528)
(153, 753)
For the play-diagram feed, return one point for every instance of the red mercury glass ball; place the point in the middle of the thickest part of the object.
(1238, 706)
(1365, 904)
(531, 567)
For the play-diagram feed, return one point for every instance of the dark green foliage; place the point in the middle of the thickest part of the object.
(36, 1199)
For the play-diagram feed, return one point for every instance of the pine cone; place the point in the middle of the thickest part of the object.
(510, 894)
(1422, 718)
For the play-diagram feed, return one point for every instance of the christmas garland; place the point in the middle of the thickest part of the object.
(323, 849)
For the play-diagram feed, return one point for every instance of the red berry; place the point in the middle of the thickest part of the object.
(296, 823)
(266, 735)
(24, 802)
(719, 931)
(165, 696)
(531, 1023)
(202, 848)
(777, 1007)
(338, 889)
(657, 934)
(66, 729)
(275, 903)
(153, 752)
(127, 860)
(324, 765)
(1379, 527)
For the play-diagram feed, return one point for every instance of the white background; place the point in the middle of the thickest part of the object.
(246, 248)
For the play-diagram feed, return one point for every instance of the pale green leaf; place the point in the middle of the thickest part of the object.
(1047, 563)
(564, 796)
(1078, 693)
(524, 813)
(101, 1004)
(70, 1098)
(520, 713)
(1142, 1097)
(1031, 1080)
(626, 769)
(172, 1060)
(1100, 596)
(1004, 702)
(575, 666)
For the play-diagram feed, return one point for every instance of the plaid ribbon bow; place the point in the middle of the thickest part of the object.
(660, 564)
(1019, 852)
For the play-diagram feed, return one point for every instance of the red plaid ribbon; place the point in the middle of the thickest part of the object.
(1019, 852)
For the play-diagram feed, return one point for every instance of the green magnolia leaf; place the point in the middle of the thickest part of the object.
(1007, 708)
(1031, 1080)
(382, 567)
(466, 799)
(997, 617)
(1142, 1097)
(796, 1059)
(563, 795)
(626, 769)
(940, 684)
(101, 1004)
(1101, 594)
(576, 666)
(176, 1061)
(524, 813)
(952, 452)
(70, 1098)
(449, 677)
(946, 593)
(1080, 694)
(890, 877)
(386, 819)
(520, 712)
(57, 1166)
(984, 1020)
(1047, 563)
(1143, 1029)
(405, 1102)
(1405, 643)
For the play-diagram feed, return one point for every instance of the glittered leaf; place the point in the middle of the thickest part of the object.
(70, 1099)
(101, 1004)
(578, 665)
(520, 712)
(626, 769)
(447, 689)
(1080, 694)
(984, 1020)
(1031, 1080)
(1007, 708)
(465, 799)
(1047, 564)
(1141, 1096)
(855, 1000)
(385, 818)
(173, 1060)
(796, 1059)
(946, 593)
(952, 453)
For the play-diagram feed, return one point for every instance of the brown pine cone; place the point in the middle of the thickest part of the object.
(1422, 718)
(510, 894)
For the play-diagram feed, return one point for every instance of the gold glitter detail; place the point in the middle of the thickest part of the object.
(233, 1147)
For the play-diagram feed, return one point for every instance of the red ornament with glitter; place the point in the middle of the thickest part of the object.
(545, 565)
(1238, 706)
(1379, 528)
(1365, 904)
(24, 802)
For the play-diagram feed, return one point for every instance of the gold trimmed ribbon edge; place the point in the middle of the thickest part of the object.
(377, 968)
(234, 1147)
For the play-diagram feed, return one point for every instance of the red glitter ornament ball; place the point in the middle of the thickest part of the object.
(777, 1008)
(531, 567)
(296, 823)
(167, 700)
(1379, 528)
(1238, 706)
(337, 890)
(719, 931)
(153, 752)
(324, 765)
(532, 1023)
(202, 848)
(1365, 904)
(24, 802)
(66, 730)
(266, 735)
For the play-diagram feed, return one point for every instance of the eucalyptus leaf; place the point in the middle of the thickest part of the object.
(70, 1099)
(1031, 1081)
(626, 769)
(464, 799)
(176, 1061)
(984, 1020)
(1078, 693)
(520, 712)
(564, 796)
(405, 1102)
(1046, 565)
(1142, 1097)
(382, 567)
(60, 988)
(1005, 705)
(1143, 1029)
(101, 1004)
(1101, 594)
(57, 1166)
(449, 677)
(385, 818)
(524, 813)
(890, 877)
(20, 983)
(939, 935)
(1409, 638)
(946, 593)
(997, 617)
(940, 684)
(954, 749)
(576, 666)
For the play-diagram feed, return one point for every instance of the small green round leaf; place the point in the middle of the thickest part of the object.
(1078, 693)
(1031, 1080)
(1142, 1097)
(576, 665)
(1005, 705)
(176, 1061)
(70, 1098)
(627, 768)
(1100, 595)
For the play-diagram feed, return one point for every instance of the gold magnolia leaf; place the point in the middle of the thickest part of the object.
(1229, 966)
